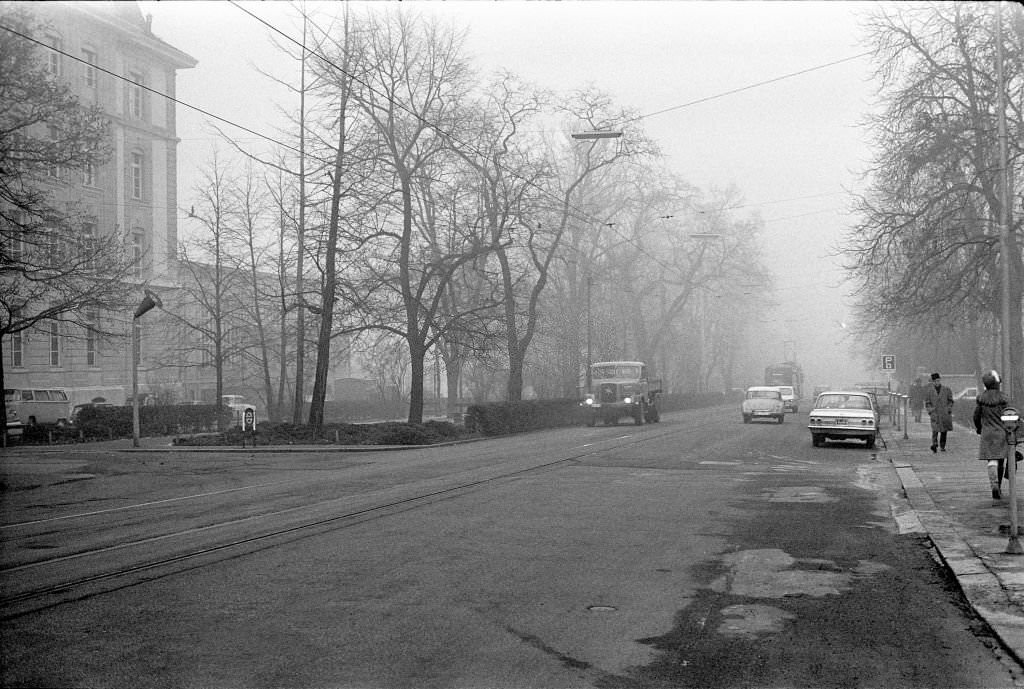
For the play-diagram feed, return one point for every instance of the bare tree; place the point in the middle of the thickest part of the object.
(926, 250)
(415, 79)
(210, 280)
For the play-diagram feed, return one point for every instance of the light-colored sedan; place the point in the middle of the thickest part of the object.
(844, 415)
(763, 403)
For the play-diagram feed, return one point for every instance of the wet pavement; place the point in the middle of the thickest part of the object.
(948, 499)
(951, 501)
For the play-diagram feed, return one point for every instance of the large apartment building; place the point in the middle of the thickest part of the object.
(108, 54)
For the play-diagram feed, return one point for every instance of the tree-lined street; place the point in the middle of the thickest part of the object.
(697, 552)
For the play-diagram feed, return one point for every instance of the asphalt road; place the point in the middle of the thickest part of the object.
(697, 552)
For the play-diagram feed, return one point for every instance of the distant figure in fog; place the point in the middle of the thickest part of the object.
(917, 393)
(992, 447)
(939, 403)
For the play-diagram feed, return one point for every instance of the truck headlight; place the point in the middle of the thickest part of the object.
(627, 400)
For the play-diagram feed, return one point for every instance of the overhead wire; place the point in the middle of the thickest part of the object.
(578, 213)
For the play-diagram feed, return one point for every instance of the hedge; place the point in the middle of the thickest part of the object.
(104, 423)
(503, 418)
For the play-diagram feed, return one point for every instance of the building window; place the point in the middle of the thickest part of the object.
(89, 244)
(137, 253)
(91, 338)
(50, 246)
(54, 337)
(17, 349)
(90, 67)
(54, 171)
(54, 63)
(135, 175)
(89, 175)
(135, 94)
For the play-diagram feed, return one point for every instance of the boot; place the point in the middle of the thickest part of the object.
(995, 479)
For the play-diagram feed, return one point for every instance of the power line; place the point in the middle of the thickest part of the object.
(748, 87)
(577, 212)
(146, 88)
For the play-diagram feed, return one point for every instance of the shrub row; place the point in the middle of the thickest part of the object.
(104, 423)
(387, 433)
(502, 418)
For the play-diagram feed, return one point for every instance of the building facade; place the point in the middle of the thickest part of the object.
(108, 55)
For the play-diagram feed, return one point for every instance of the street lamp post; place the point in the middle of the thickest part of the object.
(148, 302)
(590, 281)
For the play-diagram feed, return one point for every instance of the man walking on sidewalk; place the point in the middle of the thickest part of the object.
(939, 404)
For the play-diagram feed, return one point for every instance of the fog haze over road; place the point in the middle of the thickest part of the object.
(763, 96)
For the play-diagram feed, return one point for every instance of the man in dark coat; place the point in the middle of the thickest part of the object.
(939, 403)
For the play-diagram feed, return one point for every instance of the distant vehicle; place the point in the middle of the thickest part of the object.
(789, 400)
(968, 394)
(238, 407)
(39, 406)
(844, 415)
(763, 403)
(786, 373)
(881, 394)
(621, 388)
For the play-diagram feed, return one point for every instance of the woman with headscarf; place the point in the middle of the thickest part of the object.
(989, 425)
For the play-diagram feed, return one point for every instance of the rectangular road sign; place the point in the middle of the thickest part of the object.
(888, 362)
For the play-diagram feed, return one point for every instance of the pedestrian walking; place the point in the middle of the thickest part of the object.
(917, 393)
(938, 401)
(989, 425)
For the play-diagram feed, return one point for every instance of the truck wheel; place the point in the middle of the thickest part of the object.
(817, 439)
(640, 415)
(652, 414)
(782, 418)
(746, 418)
(871, 442)
(592, 420)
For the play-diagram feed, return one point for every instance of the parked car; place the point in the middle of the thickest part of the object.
(763, 403)
(880, 392)
(789, 400)
(49, 406)
(15, 428)
(844, 415)
(77, 409)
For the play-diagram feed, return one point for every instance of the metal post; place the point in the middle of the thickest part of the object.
(589, 334)
(906, 415)
(135, 382)
(1011, 420)
(1008, 374)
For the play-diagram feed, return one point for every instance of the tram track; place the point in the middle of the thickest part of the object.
(107, 579)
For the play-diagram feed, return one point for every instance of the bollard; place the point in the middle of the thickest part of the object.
(1011, 421)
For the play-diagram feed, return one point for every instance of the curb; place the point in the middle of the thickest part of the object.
(983, 590)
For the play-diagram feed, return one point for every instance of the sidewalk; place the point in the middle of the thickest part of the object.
(952, 503)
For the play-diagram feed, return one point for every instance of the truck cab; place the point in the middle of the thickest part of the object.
(621, 389)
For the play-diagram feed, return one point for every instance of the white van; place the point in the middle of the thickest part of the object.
(39, 406)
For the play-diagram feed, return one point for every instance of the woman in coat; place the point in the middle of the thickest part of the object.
(939, 404)
(989, 425)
